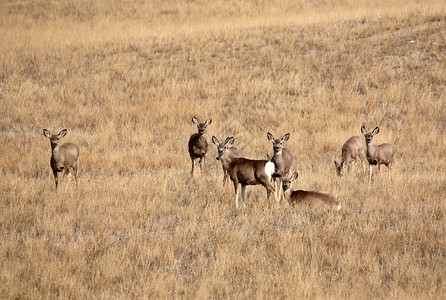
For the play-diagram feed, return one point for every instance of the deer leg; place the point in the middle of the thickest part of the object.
(76, 177)
(363, 163)
(269, 187)
(225, 176)
(389, 166)
(243, 195)
(63, 179)
(236, 193)
(201, 165)
(370, 172)
(55, 178)
(193, 166)
(69, 175)
(277, 189)
(280, 190)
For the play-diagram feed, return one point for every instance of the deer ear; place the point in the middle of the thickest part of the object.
(195, 121)
(336, 164)
(208, 121)
(375, 131)
(270, 137)
(363, 130)
(62, 133)
(229, 141)
(285, 137)
(215, 140)
(294, 176)
(46, 133)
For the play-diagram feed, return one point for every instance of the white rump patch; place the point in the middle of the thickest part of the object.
(339, 206)
(269, 169)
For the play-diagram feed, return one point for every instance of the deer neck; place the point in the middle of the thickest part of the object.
(55, 152)
(287, 194)
(371, 149)
(227, 158)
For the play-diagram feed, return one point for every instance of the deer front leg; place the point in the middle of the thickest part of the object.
(201, 162)
(55, 178)
(193, 166)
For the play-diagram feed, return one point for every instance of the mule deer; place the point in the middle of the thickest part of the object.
(63, 158)
(282, 160)
(309, 197)
(353, 148)
(198, 145)
(377, 155)
(243, 171)
(227, 152)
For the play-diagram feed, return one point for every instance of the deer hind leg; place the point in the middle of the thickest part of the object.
(67, 173)
(243, 195)
(389, 166)
(362, 163)
(269, 188)
(236, 189)
(76, 176)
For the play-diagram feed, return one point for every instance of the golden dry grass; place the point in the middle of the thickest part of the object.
(125, 78)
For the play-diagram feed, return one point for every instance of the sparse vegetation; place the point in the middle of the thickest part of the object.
(125, 78)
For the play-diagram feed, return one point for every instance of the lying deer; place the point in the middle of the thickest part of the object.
(353, 148)
(63, 158)
(377, 155)
(198, 145)
(309, 197)
(227, 152)
(243, 172)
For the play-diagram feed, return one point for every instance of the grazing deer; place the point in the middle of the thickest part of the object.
(227, 152)
(198, 145)
(63, 158)
(353, 148)
(310, 197)
(282, 160)
(243, 171)
(377, 155)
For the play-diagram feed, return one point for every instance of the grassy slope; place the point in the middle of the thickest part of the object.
(142, 227)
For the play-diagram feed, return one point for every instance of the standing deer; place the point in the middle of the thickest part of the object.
(227, 152)
(198, 145)
(377, 155)
(243, 171)
(63, 158)
(282, 160)
(310, 197)
(353, 148)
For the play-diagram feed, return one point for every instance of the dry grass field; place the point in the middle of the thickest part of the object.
(125, 79)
